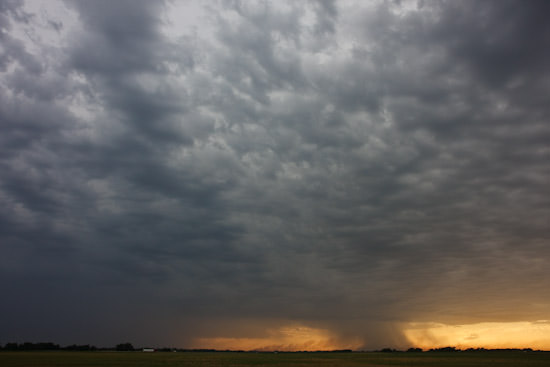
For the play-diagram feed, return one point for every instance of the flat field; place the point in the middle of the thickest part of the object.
(229, 359)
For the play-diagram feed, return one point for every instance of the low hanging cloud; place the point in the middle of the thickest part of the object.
(177, 173)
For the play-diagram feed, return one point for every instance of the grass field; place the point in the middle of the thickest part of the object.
(203, 359)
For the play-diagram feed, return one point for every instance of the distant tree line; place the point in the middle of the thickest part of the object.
(128, 347)
(122, 347)
(53, 346)
(454, 349)
(31, 346)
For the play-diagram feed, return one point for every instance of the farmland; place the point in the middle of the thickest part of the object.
(233, 359)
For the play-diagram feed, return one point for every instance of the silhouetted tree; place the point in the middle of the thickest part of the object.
(31, 346)
(85, 347)
(125, 347)
(446, 349)
(11, 346)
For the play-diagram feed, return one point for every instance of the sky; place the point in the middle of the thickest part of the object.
(296, 175)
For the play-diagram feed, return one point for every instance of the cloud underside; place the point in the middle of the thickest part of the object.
(220, 170)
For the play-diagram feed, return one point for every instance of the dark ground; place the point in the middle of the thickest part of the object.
(203, 359)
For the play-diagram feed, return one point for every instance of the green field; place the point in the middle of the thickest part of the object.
(203, 359)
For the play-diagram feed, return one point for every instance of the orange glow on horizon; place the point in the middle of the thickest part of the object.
(290, 338)
(425, 335)
(524, 334)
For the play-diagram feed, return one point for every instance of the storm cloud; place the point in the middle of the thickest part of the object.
(176, 171)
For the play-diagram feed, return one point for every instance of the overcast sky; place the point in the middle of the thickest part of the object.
(186, 173)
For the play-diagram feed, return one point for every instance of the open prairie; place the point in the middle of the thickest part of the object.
(229, 359)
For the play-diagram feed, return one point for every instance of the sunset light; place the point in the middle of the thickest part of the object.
(489, 335)
(289, 338)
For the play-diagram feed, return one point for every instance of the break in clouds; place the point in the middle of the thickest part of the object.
(185, 170)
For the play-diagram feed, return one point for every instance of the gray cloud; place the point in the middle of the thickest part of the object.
(344, 167)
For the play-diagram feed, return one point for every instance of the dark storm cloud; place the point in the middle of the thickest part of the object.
(351, 168)
(124, 37)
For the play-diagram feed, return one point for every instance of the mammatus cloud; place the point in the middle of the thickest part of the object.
(227, 172)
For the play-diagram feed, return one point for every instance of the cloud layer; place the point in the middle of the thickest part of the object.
(220, 169)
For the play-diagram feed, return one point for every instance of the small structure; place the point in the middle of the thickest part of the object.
(148, 349)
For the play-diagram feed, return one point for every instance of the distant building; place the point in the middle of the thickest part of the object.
(148, 350)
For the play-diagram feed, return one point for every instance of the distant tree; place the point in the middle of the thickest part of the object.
(26, 346)
(125, 347)
(48, 346)
(445, 349)
(11, 346)
(414, 350)
(31, 346)
(388, 350)
(85, 347)
(476, 350)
